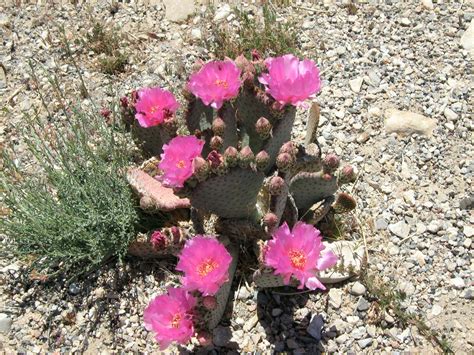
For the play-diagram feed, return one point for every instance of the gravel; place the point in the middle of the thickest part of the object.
(396, 102)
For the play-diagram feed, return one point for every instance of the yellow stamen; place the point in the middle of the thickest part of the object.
(297, 259)
(181, 164)
(176, 320)
(222, 83)
(155, 108)
(206, 267)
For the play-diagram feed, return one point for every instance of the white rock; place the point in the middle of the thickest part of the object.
(177, 11)
(457, 282)
(335, 297)
(400, 229)
(405, 21)
(375, 111)
(436, 310)
(405, 123)
(196, 33)
(5, 323)
(450, 114)
(358, 289)
(419, 257)
(356, 84)
(468, 231)
(449, 126)
(427, 4)
(467, 39)
(222, 13)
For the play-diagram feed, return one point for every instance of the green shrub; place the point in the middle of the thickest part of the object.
(269, 38)
(76, 210)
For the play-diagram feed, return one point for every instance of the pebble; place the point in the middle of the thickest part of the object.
(468, 293)
(358, 289)
(335, 297)
(178, 10)
(468, 231)
(428, 4)
(315, 326)
(405, 21)
(5, 323)
(362, 305)
(400, 229)
(222, 13)
(243, 293)
(356, 84)
(458, 283)
(467, 39)
(363, 343)
(196, 33)
(251, 323)
(276, 312)
(436, 310)
(381, 224)
(406, 123)
(450, 114)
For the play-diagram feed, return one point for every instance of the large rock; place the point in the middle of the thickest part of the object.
(467, 39)
(405, 123)
(177, 11)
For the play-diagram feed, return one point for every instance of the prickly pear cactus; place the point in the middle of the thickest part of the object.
(241, 175)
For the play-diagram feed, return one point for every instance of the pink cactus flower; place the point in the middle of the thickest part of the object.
(154, 106)
(170, 317)
(216, 82)
(177, 160)
(291, 81)
(297, 253)
(205, 263)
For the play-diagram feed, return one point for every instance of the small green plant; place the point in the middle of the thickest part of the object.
(76, 210)
(386, 297)
(269, 38)
(108, 44)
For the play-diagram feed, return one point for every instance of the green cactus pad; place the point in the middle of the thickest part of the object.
(281, 133)
(230, 136)
(309, 188)
(232, 195)
(198, 116)
(150, 139)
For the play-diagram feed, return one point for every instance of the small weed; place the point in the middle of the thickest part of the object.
(386, 298)
(269, 38)
(108, 44)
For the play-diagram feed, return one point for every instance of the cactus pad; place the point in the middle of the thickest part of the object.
(309, 188)
(232, 195)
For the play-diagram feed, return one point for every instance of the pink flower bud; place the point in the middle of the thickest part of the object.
(216, 142)
(330, 163)
(124, 101)
(270, 220)
(347, 174)
(231, 156)
(176, 233)
(158, 240)
(209, 302)
(284, 161)
(215, 159)
(289, 148)
(262, 160)
(218, 126)
(201, 168)
(276, 185)
(204, 338)
(263, 127)
(246, 156)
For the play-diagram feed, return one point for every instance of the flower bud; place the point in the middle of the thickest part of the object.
(246, 157)
(231, 156)
(284, 161)
(209, 302)
(347, 174)
(158, 240)
(262, 159)
(270, 220)
(105, 112)
(289, 148)
(176, 234)
(124, 102)
(276, 185)
(215, 159)
(204, 338)
(330, 163)
(263, 127)
(218, 126)
(201, 168)
(216, 142)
